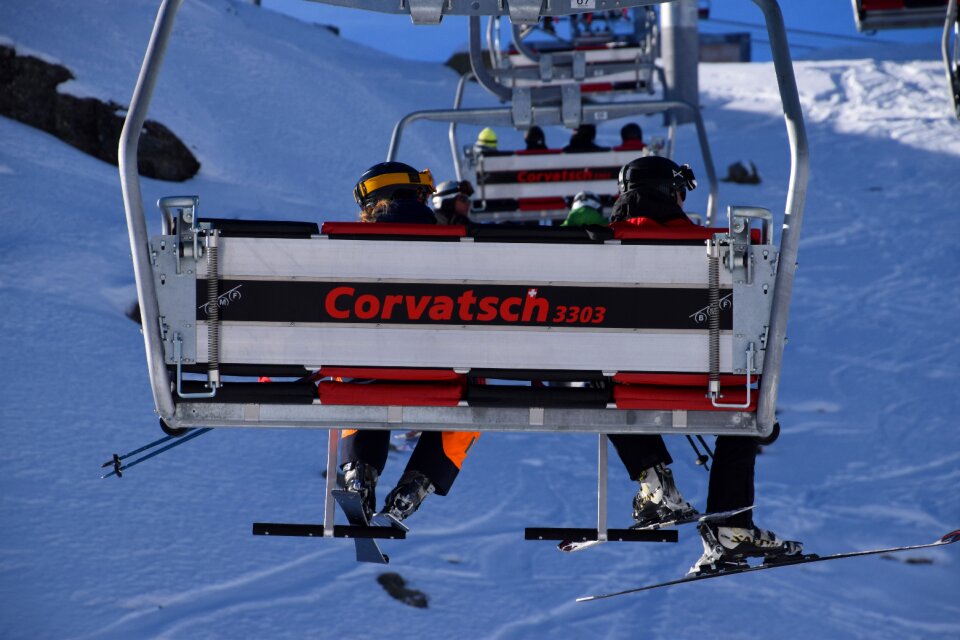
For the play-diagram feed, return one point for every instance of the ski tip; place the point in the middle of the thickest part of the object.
(951, 537)
(586, 598)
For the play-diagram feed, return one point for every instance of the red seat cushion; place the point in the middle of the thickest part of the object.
(637, 396)
(392, 229)
(679, 379)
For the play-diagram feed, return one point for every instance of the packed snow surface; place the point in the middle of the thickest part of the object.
(283, 117)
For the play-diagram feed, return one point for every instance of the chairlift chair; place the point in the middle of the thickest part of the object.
(252, 298)
(877, 15)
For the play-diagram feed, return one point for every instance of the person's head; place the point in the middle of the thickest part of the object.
(487, 139)
(388, 182)
(658, 175)
(535, 138)
(452, 199)
(585, 133)
(586, 210)
(587, 199)
(631, 131)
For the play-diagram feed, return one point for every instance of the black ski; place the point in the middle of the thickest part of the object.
(694, 517)
(352, 505)
(572, 545)
(950, 538)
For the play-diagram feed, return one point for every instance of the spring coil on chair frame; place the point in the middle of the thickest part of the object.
(713, 314)
(213, 311)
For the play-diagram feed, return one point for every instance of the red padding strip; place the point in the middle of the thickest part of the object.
(596, 87)
(669, 398)
(383, 373)
(391, 393)
(871, 5)
(631, 231)
(679, 379)
(392, 229)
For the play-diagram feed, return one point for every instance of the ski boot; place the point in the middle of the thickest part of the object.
(727, 548)
(659, 500)
(406, 497)
(362, 478)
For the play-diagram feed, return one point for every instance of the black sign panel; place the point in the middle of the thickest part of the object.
(456, 304)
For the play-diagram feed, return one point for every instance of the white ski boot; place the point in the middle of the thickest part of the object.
(726, 548)
(362, 478)
(659, 500)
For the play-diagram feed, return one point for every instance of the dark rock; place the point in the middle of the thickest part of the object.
(28, 94)
(396, 586)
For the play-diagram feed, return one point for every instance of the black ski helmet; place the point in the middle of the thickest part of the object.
(658, 173)
(392, 181)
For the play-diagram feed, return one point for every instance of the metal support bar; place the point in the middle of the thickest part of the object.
(716, 394)
(133, 207)
(793, 214)
(553, 115)
(329, 504)
(602, 487)
(951, 63)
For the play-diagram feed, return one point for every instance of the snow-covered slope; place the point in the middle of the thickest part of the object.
(284, 117)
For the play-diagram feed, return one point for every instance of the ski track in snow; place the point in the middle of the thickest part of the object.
(867, 456)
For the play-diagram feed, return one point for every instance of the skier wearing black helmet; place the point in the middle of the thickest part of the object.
(396, 192)
(652, 192)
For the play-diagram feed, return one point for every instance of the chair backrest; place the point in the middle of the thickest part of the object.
(873, 15)
(530, 185)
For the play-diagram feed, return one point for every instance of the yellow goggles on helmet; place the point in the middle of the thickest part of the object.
(423, 179)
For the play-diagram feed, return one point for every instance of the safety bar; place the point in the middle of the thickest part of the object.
(793, 214)
(133, 207)
(951, 63)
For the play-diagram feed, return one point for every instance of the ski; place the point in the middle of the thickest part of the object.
(694, 517)
(352, 506)
(388, 520)
(950, 538)
(573, 545)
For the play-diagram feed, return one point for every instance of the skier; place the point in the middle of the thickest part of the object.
(535, 139)
(396, 192)
(451, 202)
(586, 210)
(582, 140)
(652, 192)
(631, 136)
(486, 143)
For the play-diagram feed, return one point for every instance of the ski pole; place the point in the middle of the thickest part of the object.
(702, 458)
(119, 469)
(117, 457)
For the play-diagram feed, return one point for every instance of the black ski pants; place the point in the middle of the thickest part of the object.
(437, 455)
(731, 478)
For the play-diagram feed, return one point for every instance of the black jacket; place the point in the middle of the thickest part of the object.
(409, 212)
(646, 203)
